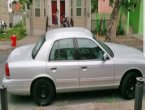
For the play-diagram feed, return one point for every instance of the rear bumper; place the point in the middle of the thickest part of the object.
(18, 87)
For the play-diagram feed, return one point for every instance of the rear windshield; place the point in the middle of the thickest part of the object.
(37, 47)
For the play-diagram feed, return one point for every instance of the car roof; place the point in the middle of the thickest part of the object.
(69, 32)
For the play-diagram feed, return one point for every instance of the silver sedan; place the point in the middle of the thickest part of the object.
(69, 60)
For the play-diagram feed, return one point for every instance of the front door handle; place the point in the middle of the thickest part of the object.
(84, 67)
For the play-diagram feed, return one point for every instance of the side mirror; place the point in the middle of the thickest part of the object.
(105, 57)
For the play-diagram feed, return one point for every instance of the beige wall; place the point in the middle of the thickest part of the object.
(39, 23)
(4, 15)
(79, 21)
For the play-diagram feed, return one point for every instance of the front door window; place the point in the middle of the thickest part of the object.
(94, 72)
(89, 50)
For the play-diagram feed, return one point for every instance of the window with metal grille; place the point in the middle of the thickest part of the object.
(37, 8)
(78, 7)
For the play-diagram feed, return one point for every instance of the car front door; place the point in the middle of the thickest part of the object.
(63, 66)
(94, 72)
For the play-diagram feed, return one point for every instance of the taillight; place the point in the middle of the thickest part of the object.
(7, 71)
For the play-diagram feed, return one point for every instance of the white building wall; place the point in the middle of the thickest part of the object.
(67, 8)
(88, 15)
(49, 12)
(58, 13)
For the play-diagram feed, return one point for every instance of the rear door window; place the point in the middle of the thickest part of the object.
(62, 50)
(37, 47)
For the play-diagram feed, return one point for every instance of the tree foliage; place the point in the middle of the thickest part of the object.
(24, 3)
(129, 5)
(94, 6)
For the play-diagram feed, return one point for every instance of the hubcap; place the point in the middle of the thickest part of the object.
(43, 91)
(43, 94)
(131, 86)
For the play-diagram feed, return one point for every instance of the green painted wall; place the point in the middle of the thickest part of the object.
(136, 20)
(140, 31)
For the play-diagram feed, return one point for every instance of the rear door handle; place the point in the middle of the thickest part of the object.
(53, 69)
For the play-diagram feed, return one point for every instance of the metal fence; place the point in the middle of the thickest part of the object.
(99, 24)
(4, 101)
(139, 92)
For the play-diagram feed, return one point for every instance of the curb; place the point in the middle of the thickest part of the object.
(6, 49)
(5, 46)
(140, 37)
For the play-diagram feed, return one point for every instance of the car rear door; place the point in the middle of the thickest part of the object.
(63, 66)
(94, 72)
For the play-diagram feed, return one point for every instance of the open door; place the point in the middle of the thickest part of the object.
(62, 10)
(54, 9)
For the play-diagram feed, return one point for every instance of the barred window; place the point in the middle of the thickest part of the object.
(78, 7)
(44, 7)
(37, 8)
(71, 7)
(85, 8)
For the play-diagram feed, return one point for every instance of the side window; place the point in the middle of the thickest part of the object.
(89, 49)
(62, 50)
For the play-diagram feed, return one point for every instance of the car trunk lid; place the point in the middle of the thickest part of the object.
(21, 53)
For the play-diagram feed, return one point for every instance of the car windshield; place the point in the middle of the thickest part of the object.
(105, 47)
(37, 47)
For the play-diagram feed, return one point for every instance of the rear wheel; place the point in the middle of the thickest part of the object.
(128, 85)
(43, 92)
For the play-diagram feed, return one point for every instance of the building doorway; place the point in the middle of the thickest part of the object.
(54, 10)
(62, 10)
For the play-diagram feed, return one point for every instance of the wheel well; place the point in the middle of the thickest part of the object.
(41, 78)
(132, 70)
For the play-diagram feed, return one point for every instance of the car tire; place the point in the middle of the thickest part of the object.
(128, 85)
(43, 92)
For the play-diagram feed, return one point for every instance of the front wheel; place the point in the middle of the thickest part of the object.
(128, 85)
(43, 92)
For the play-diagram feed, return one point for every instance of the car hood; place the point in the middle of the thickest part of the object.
(21, 53)
(123, 51)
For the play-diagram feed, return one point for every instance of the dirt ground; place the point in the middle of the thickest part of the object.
(126, 40)
(96, 106)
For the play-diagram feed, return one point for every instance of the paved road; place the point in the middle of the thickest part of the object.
(71, 101)
(3, 58)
